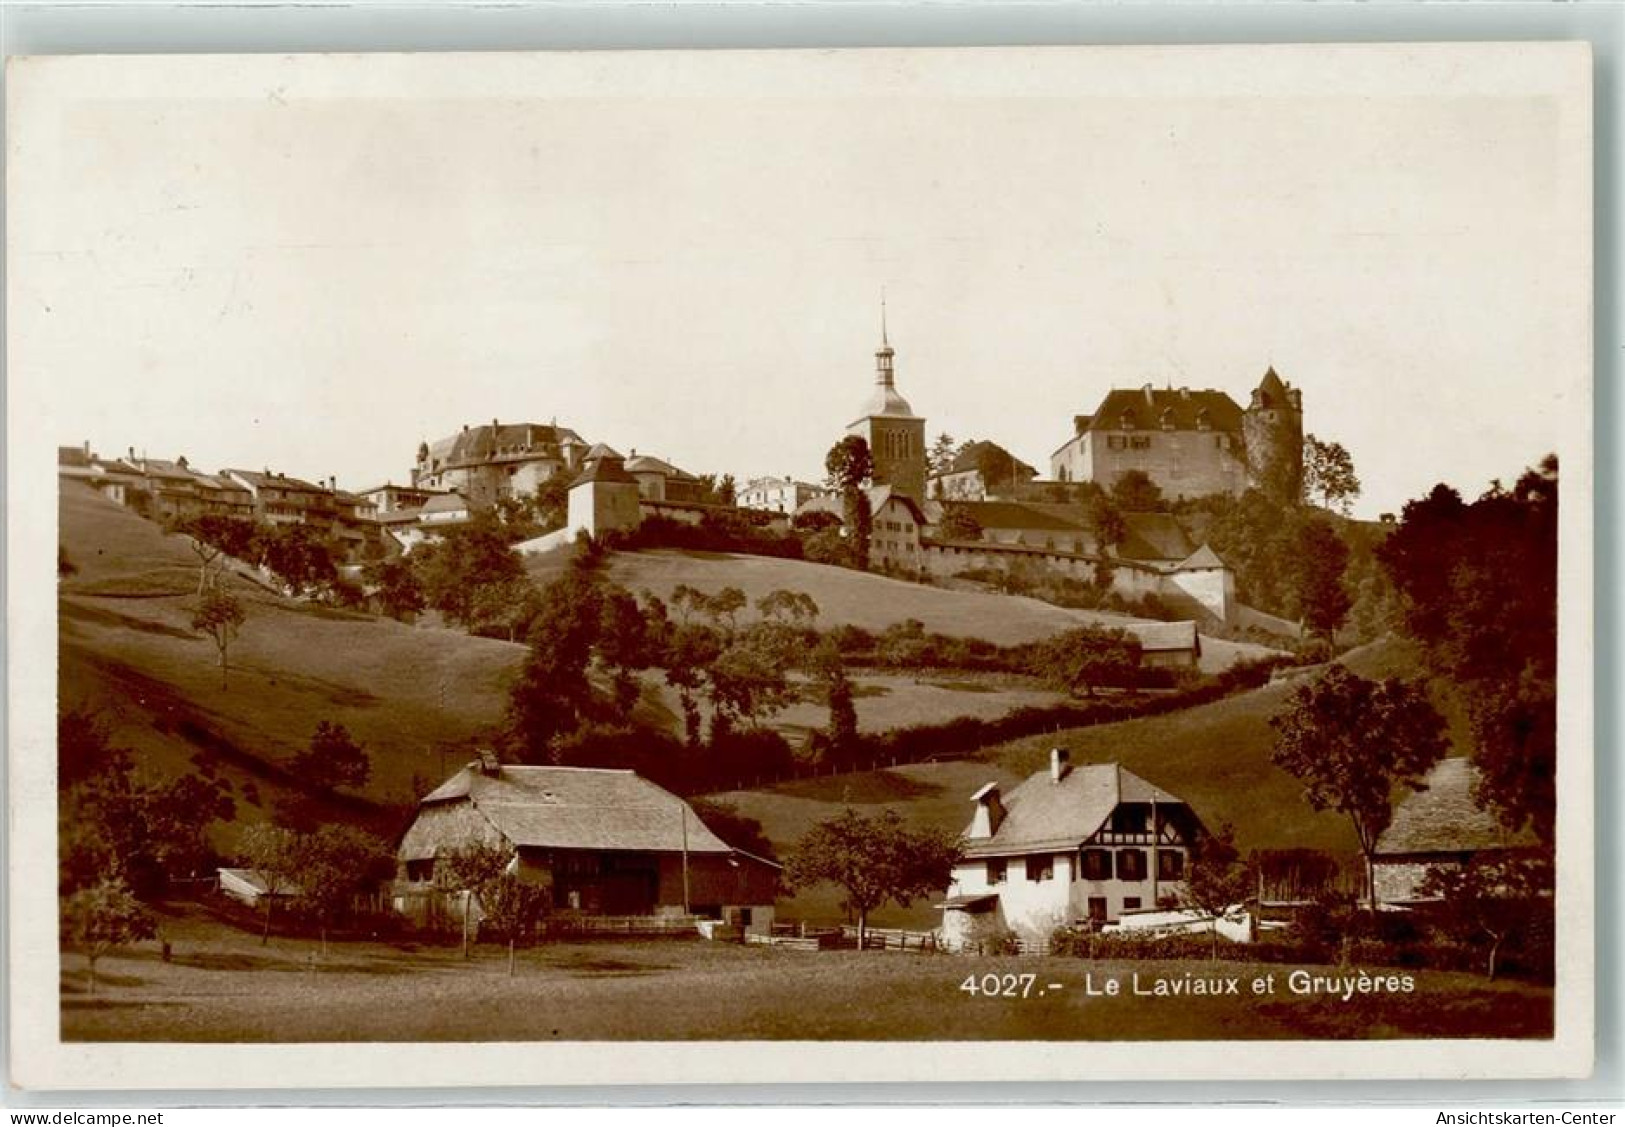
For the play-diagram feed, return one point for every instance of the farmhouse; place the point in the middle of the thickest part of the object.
(895, 526)
(600, 842)
(1439, 827)
(1069, 844)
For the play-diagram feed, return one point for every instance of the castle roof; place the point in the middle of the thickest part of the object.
(648, 463)
(1149, 408)
(603, 464)
(498, 442)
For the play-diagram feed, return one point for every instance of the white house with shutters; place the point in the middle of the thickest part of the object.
(1069, 844)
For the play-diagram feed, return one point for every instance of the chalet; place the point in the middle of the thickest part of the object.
(1441, 826)
(600, 842)
(1070, 844)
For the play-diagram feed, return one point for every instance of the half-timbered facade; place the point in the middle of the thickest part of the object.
(1069, 844)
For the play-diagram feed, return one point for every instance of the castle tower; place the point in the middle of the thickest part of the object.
(896, 436)
(604, 498)
(1272, 427)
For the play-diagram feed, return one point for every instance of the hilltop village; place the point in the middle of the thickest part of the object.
(536, 689)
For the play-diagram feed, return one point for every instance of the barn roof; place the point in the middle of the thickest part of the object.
(1444, 818)
(1045, 815)
(579, 808)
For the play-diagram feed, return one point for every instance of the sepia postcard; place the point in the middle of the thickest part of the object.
(777, 566)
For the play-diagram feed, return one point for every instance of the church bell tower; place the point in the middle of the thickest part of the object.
(896, 436)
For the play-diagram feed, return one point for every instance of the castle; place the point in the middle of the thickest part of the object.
(488, 463)
(1191, 443)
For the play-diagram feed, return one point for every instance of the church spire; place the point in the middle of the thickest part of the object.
(883, 356)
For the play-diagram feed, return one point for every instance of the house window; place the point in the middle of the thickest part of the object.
(1041, 867)
(1116, 442)
(1128, 820)
(1131, 864)
(1140, 442)
(420, 869)
(1096, 864)
(744, 917)
(1170, 864)
(996, 871)
(1097, 908)
(1131, 903)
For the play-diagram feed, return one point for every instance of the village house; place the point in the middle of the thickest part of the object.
(1067, 845)
(112, 478)
(897, 525)
(600, 842)
(1190, 443)
(488, 463)
(777, 494)
(1439, 827)
(967, 477)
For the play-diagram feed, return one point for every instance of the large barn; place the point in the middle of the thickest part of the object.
(601, 842)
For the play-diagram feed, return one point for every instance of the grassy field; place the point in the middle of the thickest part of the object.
(871, 601)
(127, 651)
(1216, 757)
(221, 985)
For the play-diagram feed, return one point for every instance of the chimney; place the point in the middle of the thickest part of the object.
(493, 424)
(1150, 396)
(132, 453)
(989, 812)
(487, 763)
(181, 461)
(1184, 393)
(1058, 759)
(1080, 423)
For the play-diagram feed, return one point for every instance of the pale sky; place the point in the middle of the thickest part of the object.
(313, 264)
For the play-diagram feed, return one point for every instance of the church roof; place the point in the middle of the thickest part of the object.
(885, 401)
(1147, 408)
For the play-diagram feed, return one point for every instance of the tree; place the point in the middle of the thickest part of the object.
(335, 863)
(276, 853)
(334, 759)
(736, 829)
(1491, 897)
(1352, 743)
(996, 467)
(959, 523)
(1135, 492)
(552, 695)
(829, 673)
(102, 918)
(1089, 657)
(467, 870)
(1106, 523)
(512, 906)
(874, 860)
(1318, 564)
(940, 459)
(396, 587)
(1216, 880)
(850, 467)
(1328, 470)
(454, 570)
(624, 646)
(299, 557)
(1478, 589)
(113, 821)
(219, 616)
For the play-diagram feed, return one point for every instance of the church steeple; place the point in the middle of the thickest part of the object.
(884, 374)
